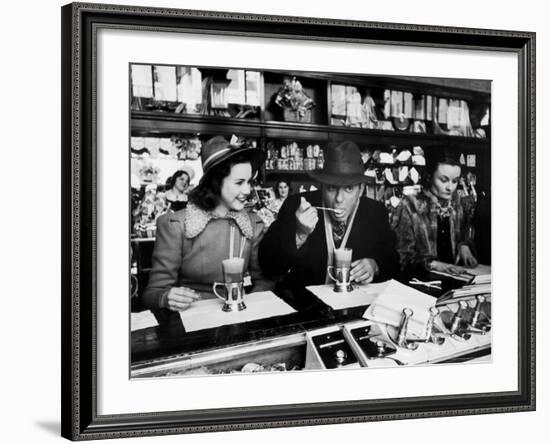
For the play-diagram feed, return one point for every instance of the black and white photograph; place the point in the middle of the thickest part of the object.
(276, 222)
(286, 221)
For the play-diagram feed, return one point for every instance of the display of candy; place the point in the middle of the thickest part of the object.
(291, 157)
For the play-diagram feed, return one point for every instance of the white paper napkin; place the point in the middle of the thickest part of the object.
(361, 295)
(143, 319)
(207, 313)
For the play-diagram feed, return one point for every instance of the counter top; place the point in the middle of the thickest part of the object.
(169, 338)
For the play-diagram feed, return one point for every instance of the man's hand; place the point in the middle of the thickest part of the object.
(363, 270)
(306, 218)
(180, 298)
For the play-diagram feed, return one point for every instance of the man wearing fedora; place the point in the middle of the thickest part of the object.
(299, 245)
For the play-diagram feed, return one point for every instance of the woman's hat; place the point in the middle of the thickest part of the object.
(343, 166)
(218, 149)
(188, 169)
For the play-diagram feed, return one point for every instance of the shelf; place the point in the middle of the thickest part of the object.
(295, 131)
(363, 136)
(294, 172)
(464, 89)
(151, 123)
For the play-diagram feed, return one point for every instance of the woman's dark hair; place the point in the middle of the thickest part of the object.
(279, 182)
(435, 158)
(206, 194)
(171, 181)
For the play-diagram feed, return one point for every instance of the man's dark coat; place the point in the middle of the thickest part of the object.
(370, 237)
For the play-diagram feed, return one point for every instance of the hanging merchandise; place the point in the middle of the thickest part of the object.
(137, 148)
(370, 172)
(404, 156)
(188, 89)
(187, 148)
(142, 80)
(403, 173)
(165, 83)
(471, 180)
(148, 173)
(420, 108)
(369, 119)
(458, 119)
(166, 149)
(419, 127)
(394, 201)
(366, 156)
(253, 88)
(354, 110)
(388, 174)
(414, 175)
(408, 105)
(418, 156)
(386, 158)
(153, 145)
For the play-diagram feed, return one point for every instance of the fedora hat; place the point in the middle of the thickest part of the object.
(218, 150)
(343, 166)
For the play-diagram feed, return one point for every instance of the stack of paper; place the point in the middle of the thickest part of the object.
(465, 293)
(482, 274)
(388, 307)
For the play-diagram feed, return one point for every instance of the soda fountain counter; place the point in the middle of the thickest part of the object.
(456, 328)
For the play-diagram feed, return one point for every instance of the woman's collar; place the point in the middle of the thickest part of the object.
(195, 220)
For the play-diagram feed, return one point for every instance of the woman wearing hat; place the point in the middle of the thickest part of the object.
(433, 229)
(300, 244)
(177, 188)
(215, 225)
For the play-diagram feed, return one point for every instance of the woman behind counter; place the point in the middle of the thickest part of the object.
(282, 190)
(177, 188)
(192, 243)
(434, 229)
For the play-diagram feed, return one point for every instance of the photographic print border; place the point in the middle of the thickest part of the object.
(80, 23)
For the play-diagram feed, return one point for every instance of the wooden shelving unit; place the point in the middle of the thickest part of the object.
(270, 127)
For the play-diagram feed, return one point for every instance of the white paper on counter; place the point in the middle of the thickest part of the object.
(207, 313)
(361, 295)
(482, 274)
(388, 307)
(143, 319)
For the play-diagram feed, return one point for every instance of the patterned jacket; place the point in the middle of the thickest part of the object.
(415, 223)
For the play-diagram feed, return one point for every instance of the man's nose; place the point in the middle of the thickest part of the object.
(339, 195)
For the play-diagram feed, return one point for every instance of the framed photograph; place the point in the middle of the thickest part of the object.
(275, 221)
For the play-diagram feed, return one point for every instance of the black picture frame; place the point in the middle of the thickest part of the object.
(80, 23)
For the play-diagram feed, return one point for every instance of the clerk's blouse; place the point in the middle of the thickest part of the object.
(192, 243)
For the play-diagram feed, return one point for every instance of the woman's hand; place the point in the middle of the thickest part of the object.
(363, 270)
(180, 298)
(446, 268)
(467, 257)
